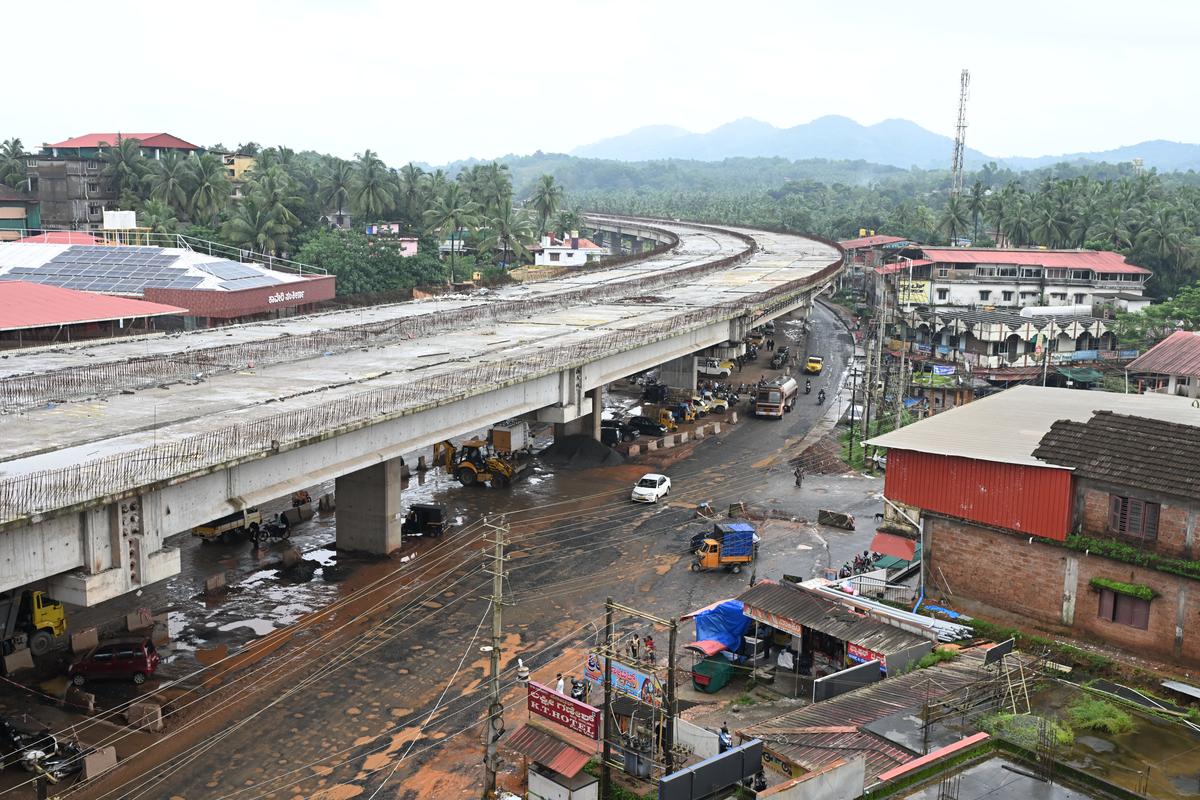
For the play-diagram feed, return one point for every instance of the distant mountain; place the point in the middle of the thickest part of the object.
(893, 142)
(1162, 155)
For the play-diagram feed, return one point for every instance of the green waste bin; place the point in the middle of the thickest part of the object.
(711, 674)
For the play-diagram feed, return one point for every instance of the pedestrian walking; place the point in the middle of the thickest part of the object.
(799, 473)
(560, 685)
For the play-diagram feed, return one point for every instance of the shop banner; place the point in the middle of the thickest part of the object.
(625, 680)
(566, 711)
(940, 370)
(914, 291)
(861, 654)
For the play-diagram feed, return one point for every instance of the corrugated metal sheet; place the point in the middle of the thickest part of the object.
(1178, 354)
(1032, 500)
(547, 750)
(1096, 260)
(776, 603)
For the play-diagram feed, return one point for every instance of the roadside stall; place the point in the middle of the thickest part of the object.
(557, 741)
(809, 636)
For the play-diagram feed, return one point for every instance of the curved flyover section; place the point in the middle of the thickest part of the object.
(186, 428)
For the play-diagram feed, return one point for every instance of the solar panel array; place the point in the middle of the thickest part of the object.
(113, 270)
(236, 276)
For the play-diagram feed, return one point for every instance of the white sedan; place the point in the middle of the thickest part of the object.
(650, 488)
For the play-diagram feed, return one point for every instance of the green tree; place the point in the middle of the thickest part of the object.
(12, 162)
(158, 217)
(413, 193)
(546, 199)
(976, 205)
(365, 264)
(449, 214)
(254, 226)
(372, 193)
(124, 166)
(168, 181)
(509, 230)
(955, 218)
(208, 187)
(337, 182)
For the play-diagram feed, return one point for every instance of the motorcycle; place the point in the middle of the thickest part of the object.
(808, 387)
(821, 397)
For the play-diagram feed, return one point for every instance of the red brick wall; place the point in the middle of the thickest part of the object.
(1172, 523)
(246, 302)
(1007, 572)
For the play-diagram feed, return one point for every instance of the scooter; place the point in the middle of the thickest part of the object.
(808, 387)
(821, 397)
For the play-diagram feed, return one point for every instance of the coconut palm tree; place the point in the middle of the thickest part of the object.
(209, 187)
(158, 216)
(372, 192)
(168, 181)
(255, 226)
(12, 162)
(336, 183)
(976, 205)
(546, 199)
(124, 166)
(449, 214)
(509, 230)
(275, 190)
(955, 218)
(1111, 225)
(413, 192)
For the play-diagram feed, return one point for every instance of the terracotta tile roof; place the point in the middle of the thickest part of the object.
(1095, 260)
(547, 750)
(1178, 354)
(871, 241)
(33, 305)
(147, 139)
(899, 266)
(1125, 450)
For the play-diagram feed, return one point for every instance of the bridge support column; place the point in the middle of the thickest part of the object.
(597, 396)
(369, 513)
(679, 373)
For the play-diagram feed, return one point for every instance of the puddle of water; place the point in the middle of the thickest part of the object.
(261, 627)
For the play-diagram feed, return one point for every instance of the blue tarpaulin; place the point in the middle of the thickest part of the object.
(724, 623)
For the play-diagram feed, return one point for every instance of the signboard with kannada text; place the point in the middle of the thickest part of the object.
(625, 680)
(566, 711)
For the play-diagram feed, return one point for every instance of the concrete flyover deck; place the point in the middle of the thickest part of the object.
(107, 449)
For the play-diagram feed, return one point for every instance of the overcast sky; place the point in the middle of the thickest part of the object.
(440, 81)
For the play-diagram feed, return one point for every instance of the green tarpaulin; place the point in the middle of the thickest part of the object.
(1081, 374)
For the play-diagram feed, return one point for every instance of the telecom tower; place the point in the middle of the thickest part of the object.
(960, 138)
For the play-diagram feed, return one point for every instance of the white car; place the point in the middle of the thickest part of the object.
(650, 488)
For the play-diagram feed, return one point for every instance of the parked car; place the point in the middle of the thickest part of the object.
(717, 405)
(129, 659)
(647, 426)
(814, 364)
(650, 488)
(620, 431)
(714, 367)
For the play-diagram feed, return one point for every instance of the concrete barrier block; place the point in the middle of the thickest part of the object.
(716, 427)
(700, 432)
(214, 584)
(139, 620)
(99, 761)
(79, 700)
(666, 443)
(651, 445)
(326, 503)
(18, 660)
(680, 438)
(146, 716)
(84, 640)
(291, 557)
(634, 450)
(732, 417)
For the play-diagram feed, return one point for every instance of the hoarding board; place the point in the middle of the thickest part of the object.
(566, 711)
(713, 775)
(625, 680)
(914, 291)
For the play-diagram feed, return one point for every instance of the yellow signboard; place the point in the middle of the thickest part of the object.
(915, 292)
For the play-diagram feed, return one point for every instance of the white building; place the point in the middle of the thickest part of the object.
(569, 251)
(1013, 278)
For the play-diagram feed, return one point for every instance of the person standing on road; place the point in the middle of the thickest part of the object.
(560, 685)
(649, 647)
(799, 473)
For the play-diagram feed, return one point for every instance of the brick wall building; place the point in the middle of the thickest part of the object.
(1117, 566)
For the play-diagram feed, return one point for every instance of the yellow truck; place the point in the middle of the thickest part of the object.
(31, 620)
(238, 525)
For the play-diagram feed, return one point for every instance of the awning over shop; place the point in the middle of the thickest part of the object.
(547, 750)
(1081, 374)
(895, 546)
(707, 647)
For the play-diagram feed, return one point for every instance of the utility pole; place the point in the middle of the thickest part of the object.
(495, 723)
(669, 743)
(605, 714)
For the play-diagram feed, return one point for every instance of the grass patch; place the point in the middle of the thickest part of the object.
(936, 657)
(745, 700)
(1131, 589)
(1094, 714)
(1025, 729)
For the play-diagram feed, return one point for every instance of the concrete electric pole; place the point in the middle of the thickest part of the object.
(495, 722)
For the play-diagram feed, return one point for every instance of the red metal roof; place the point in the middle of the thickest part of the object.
(871, 241)
(1095, 260)
(706, 646)
(888, 269)
(1178, 354)
(1017, 497)
(547, 750)
(34, 305)
(895, 546)
(60, 237)
(147, 139)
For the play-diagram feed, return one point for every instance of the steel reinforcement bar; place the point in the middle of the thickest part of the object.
(23, 392)
(27, 496)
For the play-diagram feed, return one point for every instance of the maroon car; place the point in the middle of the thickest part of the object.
(131, 659)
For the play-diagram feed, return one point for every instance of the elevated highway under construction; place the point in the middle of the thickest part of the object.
(108, 449)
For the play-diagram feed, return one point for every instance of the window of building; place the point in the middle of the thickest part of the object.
(95, 209)
(231, 173)
(1008, 297)
(93, 186)
(1081, 275)
(1079, 298)
(943, 294)
(93, 165)
(1031, 272)
(1130, 516)
(984, 294)
(1007, 272)
(985, 272)
(554, 256)
(1058, 296)
(1056, 274)
(943, 272)
(1124, 610)
(31, 162)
